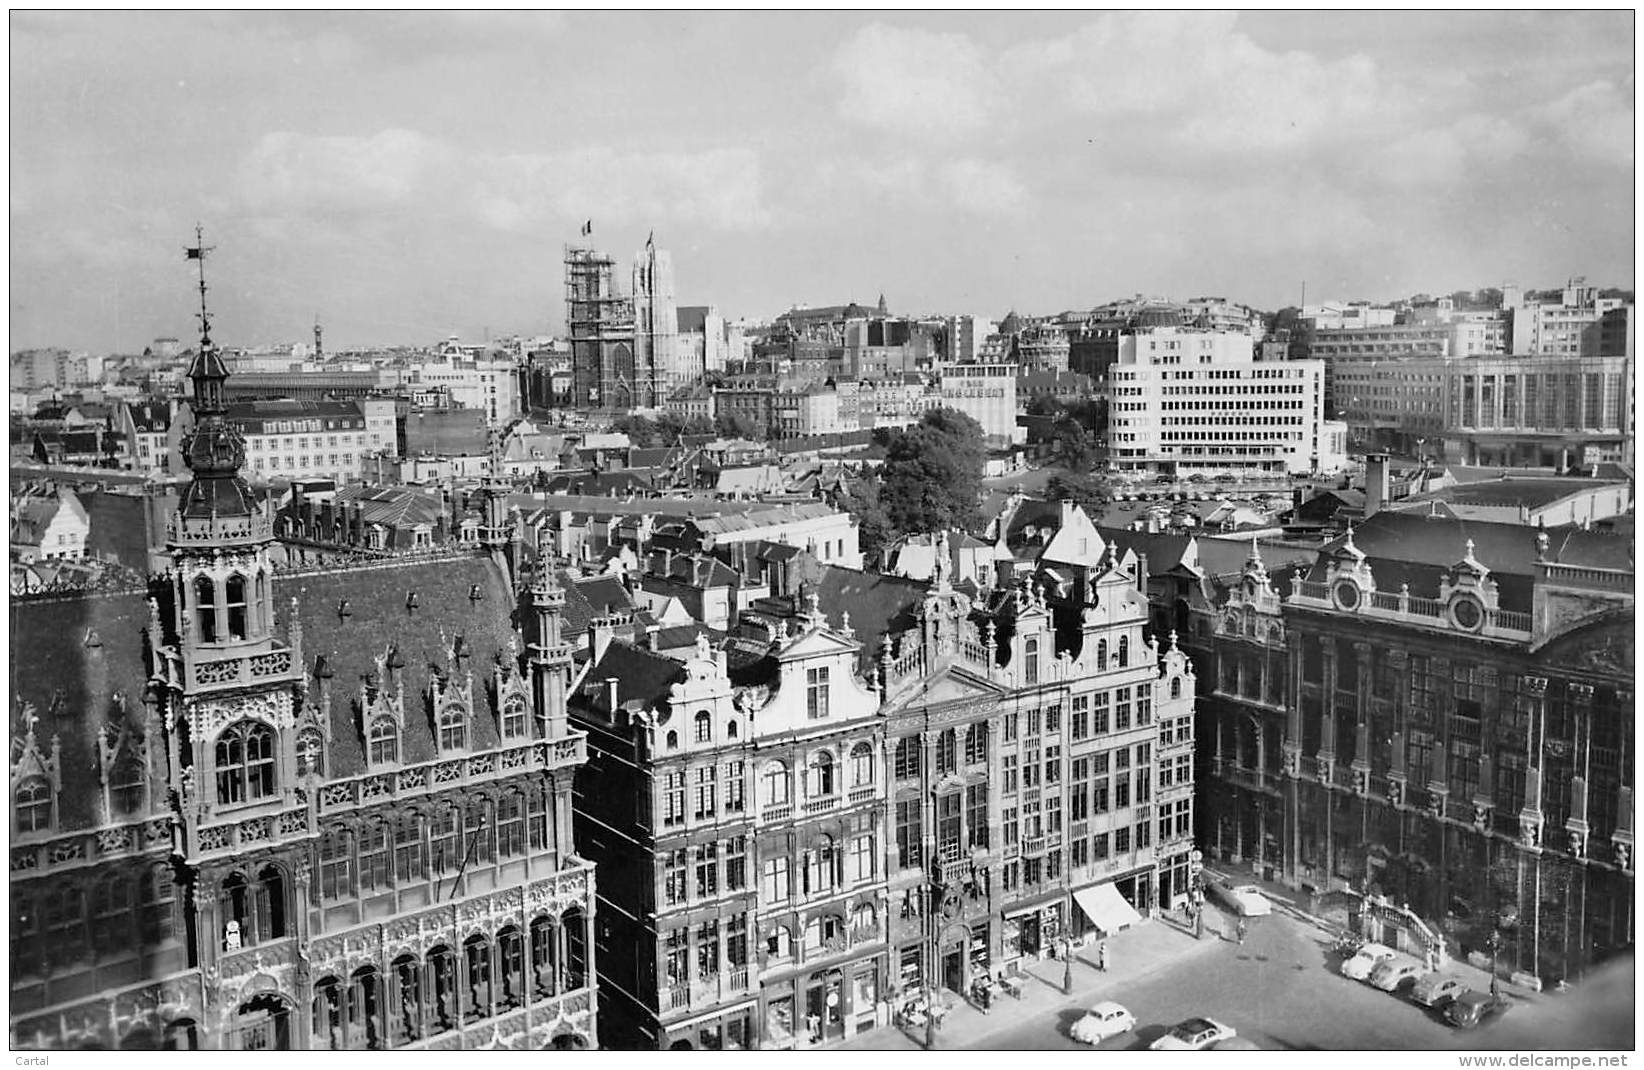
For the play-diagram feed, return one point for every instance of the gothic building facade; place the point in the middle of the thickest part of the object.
(1438, 715)
(258, 809)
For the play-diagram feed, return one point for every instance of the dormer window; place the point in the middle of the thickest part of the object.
(453, 729)
(127, 784)
(310, 754)
(383, 742)
(245, 763)
(513, 718)
(33, 802)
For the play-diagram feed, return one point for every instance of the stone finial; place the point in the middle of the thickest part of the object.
(845, 628)
(1172, 639)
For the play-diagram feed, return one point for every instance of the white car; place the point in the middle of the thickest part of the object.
(1246, 900)
(1105, 1019)
(1396, 972)
(1195, 1034)
(1368, 958)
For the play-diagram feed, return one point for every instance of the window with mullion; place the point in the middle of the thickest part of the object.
(374, 856)
(408, 849)
(511, 825)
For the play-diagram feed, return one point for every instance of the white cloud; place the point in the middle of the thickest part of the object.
(915, 82)
(984, 186)
(966, 184)
(295, 173)
(1595, 120)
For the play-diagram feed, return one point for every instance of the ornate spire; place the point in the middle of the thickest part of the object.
(213, 450)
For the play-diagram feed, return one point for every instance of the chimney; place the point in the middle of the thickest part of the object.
(600, 631)
(1141, 573)
(1377, 488)
(651, 631)
(611, 695)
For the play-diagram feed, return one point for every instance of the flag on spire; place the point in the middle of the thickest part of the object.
(587, 228)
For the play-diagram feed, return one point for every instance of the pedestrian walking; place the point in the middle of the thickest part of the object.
(1239, 930)
(1101, 956)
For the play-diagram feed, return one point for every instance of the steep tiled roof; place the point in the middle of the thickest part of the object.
(642, 677)
(379, 618)
(878, 605)
(70, 658)
(1530, 493)
(588, 597)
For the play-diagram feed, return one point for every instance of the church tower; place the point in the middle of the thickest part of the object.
(656, 326)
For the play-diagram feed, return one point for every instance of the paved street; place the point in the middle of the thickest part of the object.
(1281, 989)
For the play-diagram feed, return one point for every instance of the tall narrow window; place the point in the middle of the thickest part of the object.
(773, 784)
(861, 765)
(336, 857)
(820, 774)
(374, 857)
(816, 692)
(445, 833)
(234, 602)
(976, 744)
(408, 849)
(1030, 660)
(707, 791)
(946, 751)
(205, 609)
(511, 825)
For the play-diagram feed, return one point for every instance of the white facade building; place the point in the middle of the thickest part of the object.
(986, 393)
(1188, 401)
(492, 386)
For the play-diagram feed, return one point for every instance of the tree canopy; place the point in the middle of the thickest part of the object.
(932, 476)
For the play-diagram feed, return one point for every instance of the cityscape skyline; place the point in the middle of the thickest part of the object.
(374, 169)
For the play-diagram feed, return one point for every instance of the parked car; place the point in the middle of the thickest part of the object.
(1472, 1009)
(1437, 989)
(1105, 1019)
(1246, 900)
(1195, 1034)
(1396, 972)
(1358, 967)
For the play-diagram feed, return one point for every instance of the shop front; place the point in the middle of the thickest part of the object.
(1104, 910)
(723, 1030)
(1032, 932)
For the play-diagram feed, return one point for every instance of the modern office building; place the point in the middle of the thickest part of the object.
(1188, 401)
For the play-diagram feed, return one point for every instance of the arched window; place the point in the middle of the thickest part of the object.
(1101, 655)
(1176, 688)
(819, 773)
(384, 742)
(861, 765)
(310, 754)
(704, 727)
(863, 921)
(513, 718)
(245, 763)
(262, 600)
(779, 944)
(730, 729)
(511, 960)
(576, 948)
(205, 609)
(34, 805)
(544, 955)
(672, 741)
(1124, 651)
(327, 1027)
(441, 985)
(453, 729)
(405, 999)
(773, 784)
(234, 602)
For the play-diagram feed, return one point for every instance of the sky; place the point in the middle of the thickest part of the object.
(406, 176)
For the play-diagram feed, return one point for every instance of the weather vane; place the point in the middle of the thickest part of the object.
(198, 251)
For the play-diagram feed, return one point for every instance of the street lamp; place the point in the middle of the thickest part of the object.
(1067, 966)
